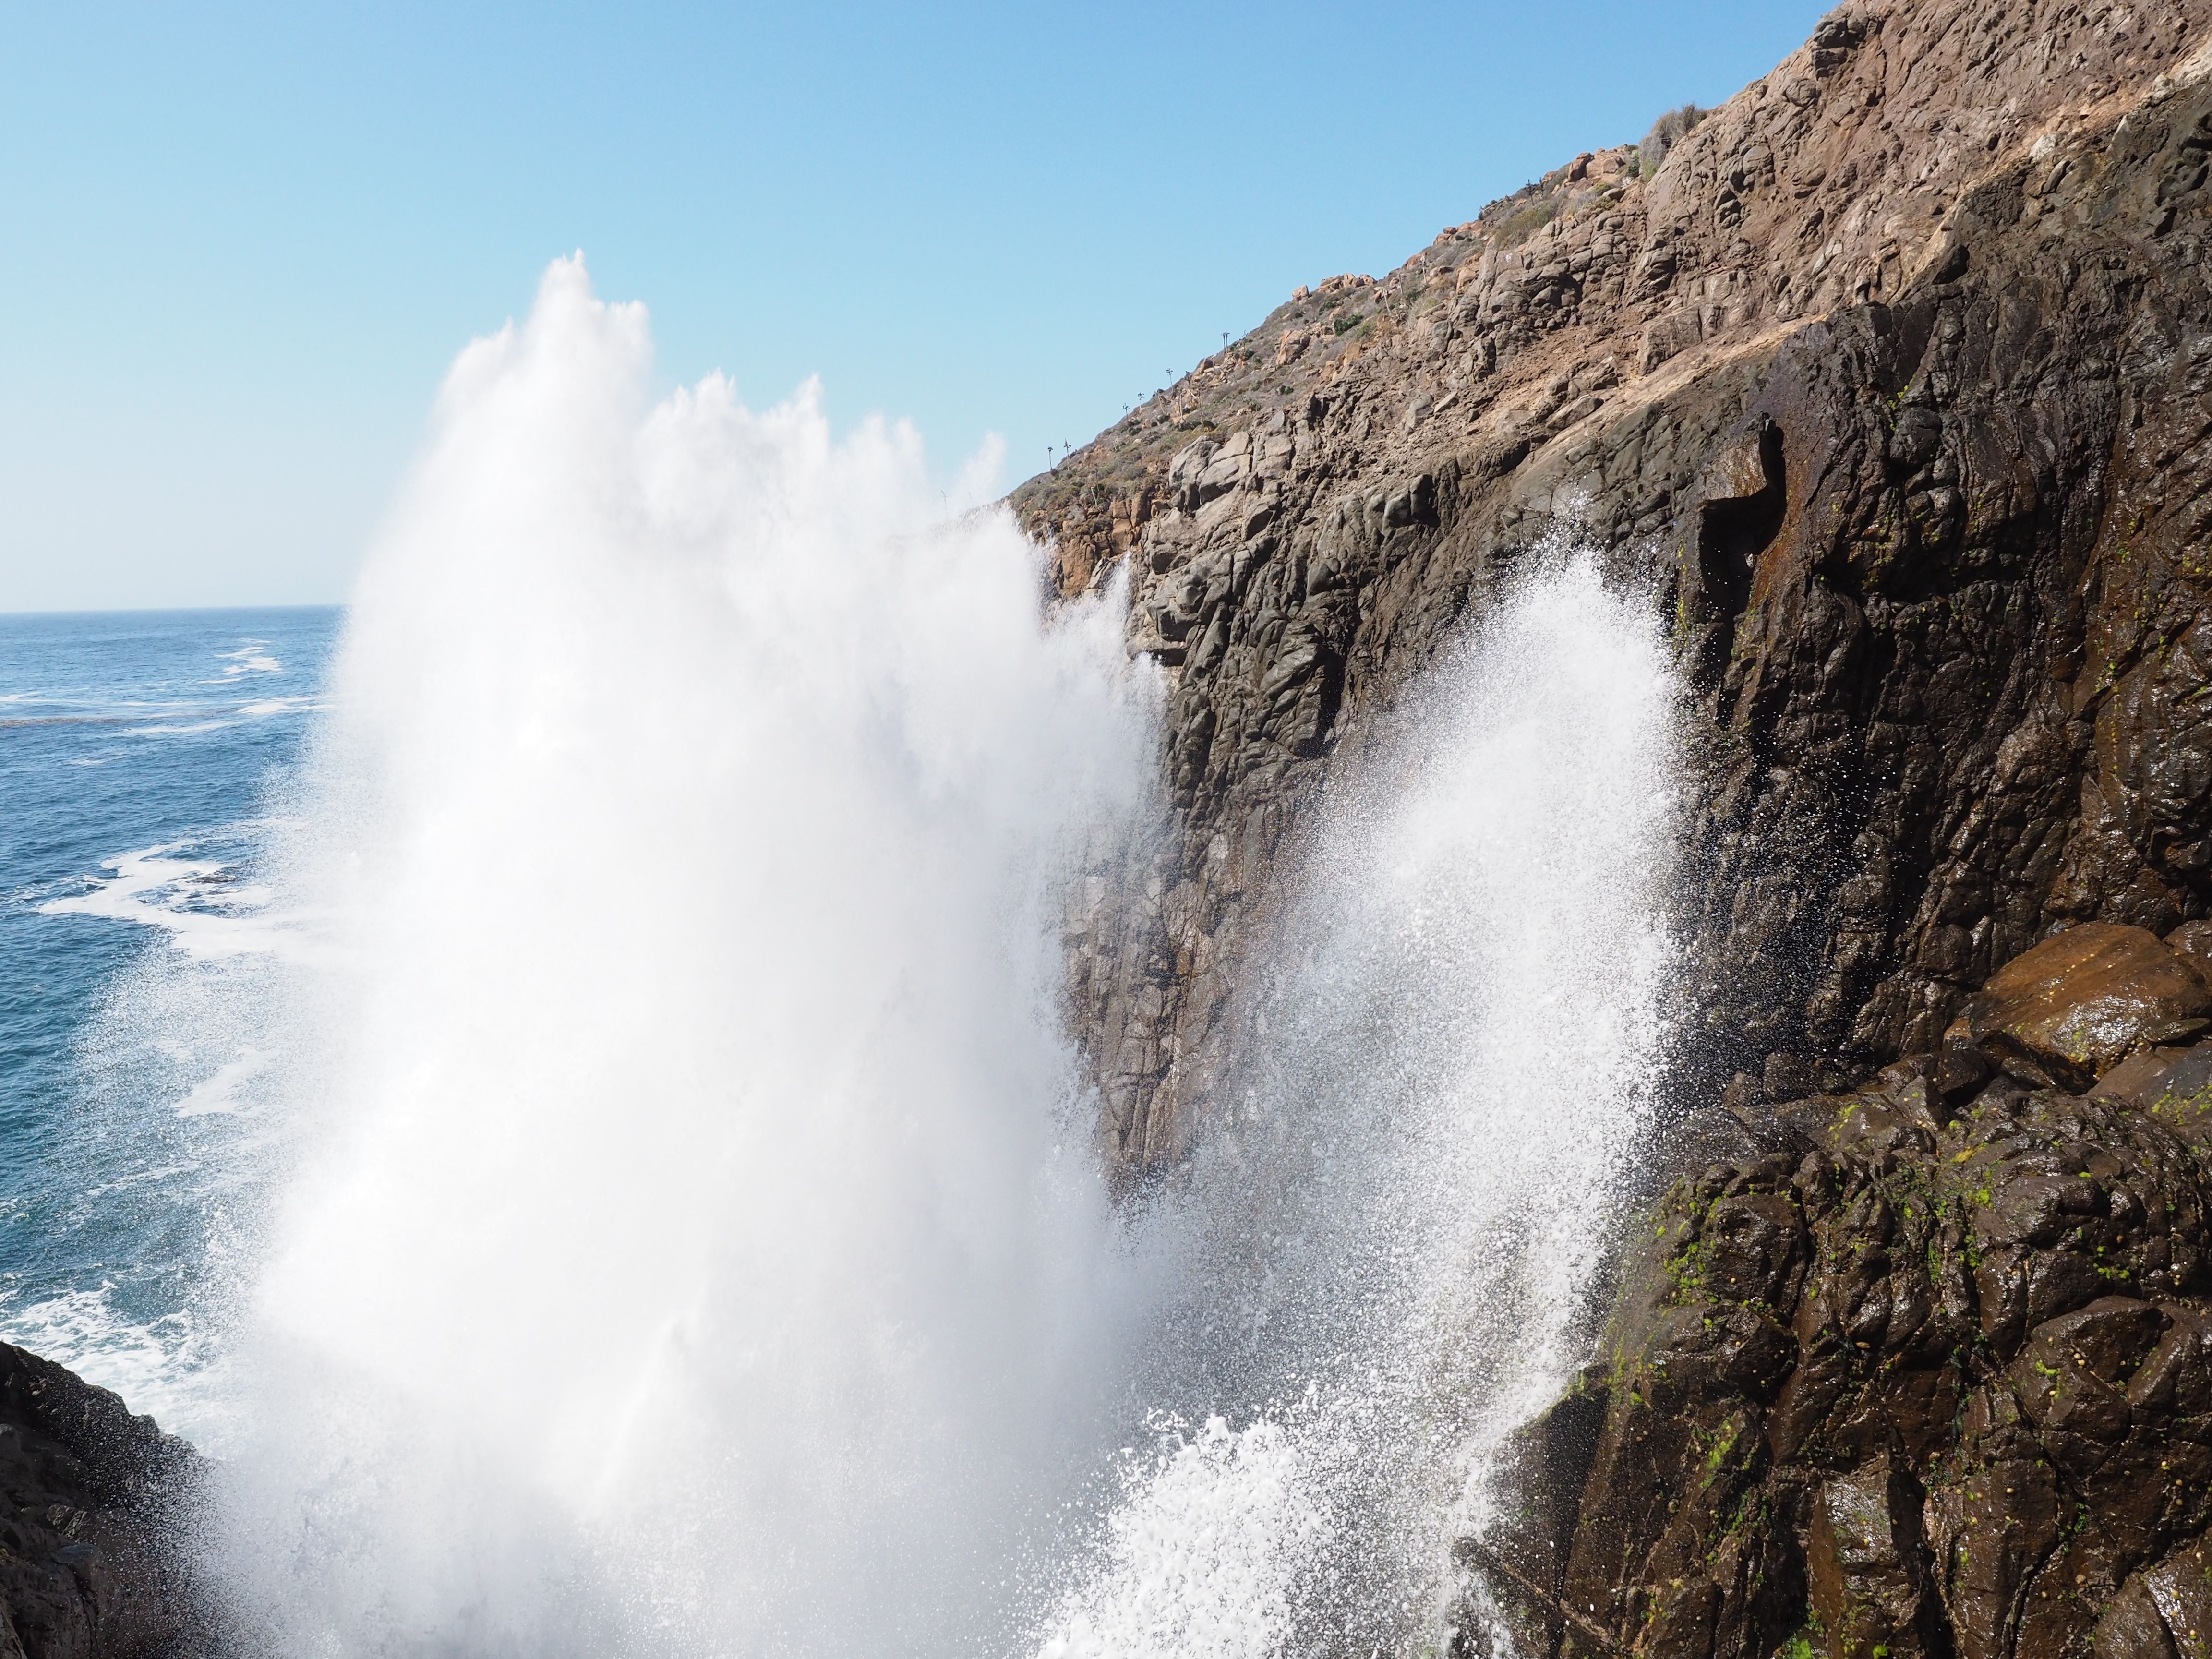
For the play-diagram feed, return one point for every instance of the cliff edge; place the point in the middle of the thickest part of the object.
(1890, 377)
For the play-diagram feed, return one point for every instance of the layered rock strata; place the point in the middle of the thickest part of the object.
(1890, 384)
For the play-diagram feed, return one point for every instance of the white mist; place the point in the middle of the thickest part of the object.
(687, 1254)
(1458, 1037)
(692, 1244)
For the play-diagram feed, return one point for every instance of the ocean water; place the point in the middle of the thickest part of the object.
(140, 754)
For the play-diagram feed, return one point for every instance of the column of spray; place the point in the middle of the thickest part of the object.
(1450, 1066)
(686, 1257)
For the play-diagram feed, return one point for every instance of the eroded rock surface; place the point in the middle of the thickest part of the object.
(1921, 1371)
(1891, 382)
(2069, 1009)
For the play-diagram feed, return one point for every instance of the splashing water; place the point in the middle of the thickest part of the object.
(686, 1239)
(683, 1255)
(1455, 1042)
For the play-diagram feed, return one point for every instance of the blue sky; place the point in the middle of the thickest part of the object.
(242, 242)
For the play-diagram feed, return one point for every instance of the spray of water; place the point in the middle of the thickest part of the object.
(1455, 1045)
(689, 1249)
(686, 1240)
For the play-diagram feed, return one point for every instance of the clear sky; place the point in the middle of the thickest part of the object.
(242, 242)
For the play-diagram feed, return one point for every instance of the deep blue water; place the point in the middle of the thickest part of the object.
(141, 754)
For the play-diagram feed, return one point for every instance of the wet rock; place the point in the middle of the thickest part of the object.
(2130, 1628)
(1538, 1482)
(1864, 1562)
(1943, 1378)
(2173, 1085)
(2181, 1589)
(95, 1511)
(2074, 1006)
(2194, 941)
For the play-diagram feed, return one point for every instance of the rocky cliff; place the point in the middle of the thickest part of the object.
(1890, 381)
(1889, 377)
(1921, 1368)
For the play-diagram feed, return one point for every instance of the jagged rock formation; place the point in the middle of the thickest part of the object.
(1924, 1368)
(90, 1499)
(1890, 381)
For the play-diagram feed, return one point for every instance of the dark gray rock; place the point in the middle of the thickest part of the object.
(96, 1508)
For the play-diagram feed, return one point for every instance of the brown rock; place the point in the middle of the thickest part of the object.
(1863, 1558)
(2194, 941)
(2173, 1085)
(2075, 1005)
(2181, 1587)
(2004, 1308)
(2130, 1628)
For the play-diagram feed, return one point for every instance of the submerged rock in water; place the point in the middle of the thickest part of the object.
(92, 1505)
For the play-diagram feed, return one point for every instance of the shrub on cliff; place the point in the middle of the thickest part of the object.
(1667, 131)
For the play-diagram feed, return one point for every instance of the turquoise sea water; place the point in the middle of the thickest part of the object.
(142, 756)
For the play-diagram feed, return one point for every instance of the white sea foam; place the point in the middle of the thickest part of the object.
(251, 658)
(152, 1364)
(219, 1093)
(189, 729)
(193, 900)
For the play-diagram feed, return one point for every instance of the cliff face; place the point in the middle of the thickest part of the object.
(1894, 382)
(1924, 1368)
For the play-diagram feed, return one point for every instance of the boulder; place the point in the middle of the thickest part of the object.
(2194, 941)
(2069, 1010)
(2173, 1085)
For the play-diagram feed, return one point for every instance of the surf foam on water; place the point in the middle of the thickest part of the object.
(198, 901)
(253, 657)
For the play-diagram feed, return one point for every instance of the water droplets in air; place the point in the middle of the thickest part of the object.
(1405, 1210)
(686, 1238)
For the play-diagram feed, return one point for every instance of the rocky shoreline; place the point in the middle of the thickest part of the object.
(96, 1508)
(1890, 379)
